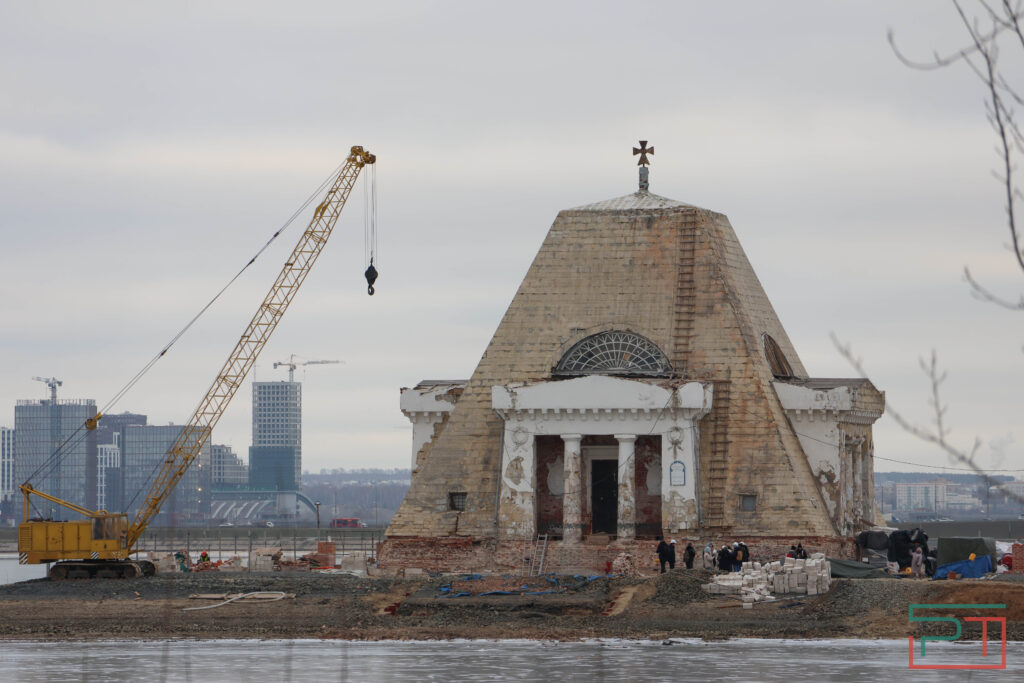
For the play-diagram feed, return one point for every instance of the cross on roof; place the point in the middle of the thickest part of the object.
(643, 150)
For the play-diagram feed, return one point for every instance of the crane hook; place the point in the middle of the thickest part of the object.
(371, 277)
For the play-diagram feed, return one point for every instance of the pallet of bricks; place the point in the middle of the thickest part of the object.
(758, 582)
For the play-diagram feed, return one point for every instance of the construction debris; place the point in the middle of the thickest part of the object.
(760, 583)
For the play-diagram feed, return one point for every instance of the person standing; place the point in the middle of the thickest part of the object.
(916, 562)
(709, 556)
(801, 554)
(725, 559)
(688, 554)
(667, 554)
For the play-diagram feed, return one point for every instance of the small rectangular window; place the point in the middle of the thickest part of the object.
(457, 500)
(748, 502)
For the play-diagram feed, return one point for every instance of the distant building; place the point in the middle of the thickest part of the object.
(227, 470)
(41, 427)
(108, 471)
(277, 423)
(7, 485)
(272, 468)
(929, 496)
(108, 477)
(143, 450)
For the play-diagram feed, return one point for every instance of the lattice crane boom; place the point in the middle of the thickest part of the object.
(240, 361)
(109, 537)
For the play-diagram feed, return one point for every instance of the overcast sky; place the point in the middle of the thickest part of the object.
(147, 152)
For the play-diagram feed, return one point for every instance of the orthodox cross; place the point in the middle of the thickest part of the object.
(643, 150)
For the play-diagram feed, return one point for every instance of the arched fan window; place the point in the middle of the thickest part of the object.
(779, 365)
(614, 353)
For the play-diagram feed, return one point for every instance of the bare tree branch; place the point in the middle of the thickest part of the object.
(939, 436)
(981, 55)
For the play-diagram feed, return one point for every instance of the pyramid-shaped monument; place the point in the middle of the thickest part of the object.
(639, 385)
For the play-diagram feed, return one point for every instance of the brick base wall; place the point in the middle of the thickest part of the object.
(487, 554)
(1018, 558)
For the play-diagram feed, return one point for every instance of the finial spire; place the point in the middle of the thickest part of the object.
(643, 150)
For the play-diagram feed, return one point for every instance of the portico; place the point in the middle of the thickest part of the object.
(599, 455)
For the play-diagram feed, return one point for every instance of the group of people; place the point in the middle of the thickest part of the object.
(667, 554)
(728, 558)
(797, 552)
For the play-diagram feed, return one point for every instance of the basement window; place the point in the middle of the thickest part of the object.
(457, 500)
(748, 502)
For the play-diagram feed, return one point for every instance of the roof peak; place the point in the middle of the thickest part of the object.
(637, 200)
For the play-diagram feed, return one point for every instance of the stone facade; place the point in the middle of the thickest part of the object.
(674, 277)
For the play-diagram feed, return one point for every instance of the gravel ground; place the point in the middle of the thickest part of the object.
(342, 606)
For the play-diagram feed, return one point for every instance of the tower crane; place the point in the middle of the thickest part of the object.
(102, 544)
(53, 383)
(291, 365)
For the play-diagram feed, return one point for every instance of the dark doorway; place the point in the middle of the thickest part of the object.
(604, 492)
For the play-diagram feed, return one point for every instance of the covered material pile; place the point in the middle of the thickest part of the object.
(757, 582)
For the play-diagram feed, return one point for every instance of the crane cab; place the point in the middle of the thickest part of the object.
(97, 544)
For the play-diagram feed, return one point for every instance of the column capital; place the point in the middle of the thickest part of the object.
(571, 437)
(625, 437)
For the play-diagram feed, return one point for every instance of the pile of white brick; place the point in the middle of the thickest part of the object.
(758, 582)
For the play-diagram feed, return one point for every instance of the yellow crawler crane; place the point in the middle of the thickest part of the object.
(101, 545)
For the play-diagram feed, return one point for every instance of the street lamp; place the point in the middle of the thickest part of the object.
(317, 504)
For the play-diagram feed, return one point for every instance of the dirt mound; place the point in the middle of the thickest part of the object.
(980, 593)
(681, 587)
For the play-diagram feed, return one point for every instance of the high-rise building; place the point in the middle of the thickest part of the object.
(7, 485)
(43, 427)
(272, 468)
(108, 471)
(108, 477)
(226, 469)
(143, 452)
(277, 422)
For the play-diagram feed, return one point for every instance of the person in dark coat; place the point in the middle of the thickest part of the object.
(667, 554)
(688, 554)
(801, 554)
(725, 558)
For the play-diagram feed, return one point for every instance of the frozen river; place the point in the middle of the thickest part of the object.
(509, 660)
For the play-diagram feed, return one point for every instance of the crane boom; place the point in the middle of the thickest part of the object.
(251, 343)
(106, 536)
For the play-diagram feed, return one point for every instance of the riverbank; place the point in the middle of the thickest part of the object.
(342, 606)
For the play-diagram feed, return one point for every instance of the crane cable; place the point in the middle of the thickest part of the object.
(370, 227)
(76, 437)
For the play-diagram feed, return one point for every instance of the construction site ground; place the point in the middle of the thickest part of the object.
(671, 605)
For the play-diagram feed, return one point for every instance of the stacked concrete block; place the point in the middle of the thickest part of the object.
(757, 582)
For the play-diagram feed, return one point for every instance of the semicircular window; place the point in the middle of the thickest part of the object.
(781, 368)
(614, 353)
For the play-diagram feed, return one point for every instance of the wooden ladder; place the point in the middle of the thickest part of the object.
(540, 549)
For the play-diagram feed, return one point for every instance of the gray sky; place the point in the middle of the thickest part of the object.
(146, 152)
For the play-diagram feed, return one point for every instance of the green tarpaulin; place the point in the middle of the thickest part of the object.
(956, 548)
(848, 569)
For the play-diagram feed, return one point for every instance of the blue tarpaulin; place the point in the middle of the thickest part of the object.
(981, 565)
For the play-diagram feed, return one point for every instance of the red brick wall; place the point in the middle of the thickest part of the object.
(550, 455)
(648, 506)
(1018, 558)
(469, 554)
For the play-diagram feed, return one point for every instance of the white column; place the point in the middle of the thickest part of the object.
(572, 490)
(627, 486)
